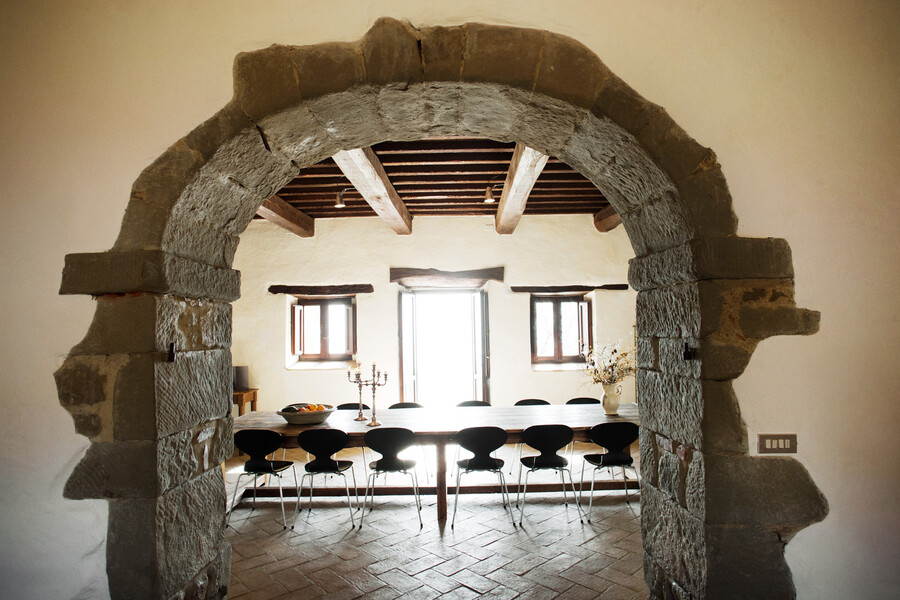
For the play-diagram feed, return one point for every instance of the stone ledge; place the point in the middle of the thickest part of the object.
(712, 258)
(151, 271)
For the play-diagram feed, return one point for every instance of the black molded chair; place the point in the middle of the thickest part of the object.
(481, 441)
(548, 440)
(424, 453)
(616, 438)
(258, 444)
(474, 403)
(389, 442)
(406, 405)
(351, 406)
(584, 400)
(323, 444)
(526, 402)
(531, 402)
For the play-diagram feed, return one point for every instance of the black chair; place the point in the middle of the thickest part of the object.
(481, 441)
(584, 401)
(474, 403)
(531, 402)
(258, 444)
(526, 402)
(406, 405)
(389, 442)
(351, 406)
(616, 438)
(548, 440)
(323, 444)
(424, 453)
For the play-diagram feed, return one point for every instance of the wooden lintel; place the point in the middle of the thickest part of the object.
(323, 290)
(277, 211)
(365, 172)
(607, 219)
(524, 169)
(567, 289)
(433, 278)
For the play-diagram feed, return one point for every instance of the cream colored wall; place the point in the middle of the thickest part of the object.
(798, 99)
(543, 251)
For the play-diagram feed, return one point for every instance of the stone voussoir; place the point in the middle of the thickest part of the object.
(391, 52)
(328, 68)
(157, 545)
(265, 81)
(570, 71)
(442, 53)
(487, 50)
(151, 323)
(151, 271)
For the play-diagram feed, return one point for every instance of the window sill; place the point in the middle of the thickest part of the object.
(323, 365)
(557, 366)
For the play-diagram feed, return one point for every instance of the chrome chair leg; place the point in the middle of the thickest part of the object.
(524, 493)
(456, 502)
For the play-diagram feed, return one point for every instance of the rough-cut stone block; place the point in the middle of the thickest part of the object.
(624, 106)
(674, 538)
(772, 492)
(197, 241)
(746, 564)
(265, 81)
(715, 359)
(405, 112)
(245, 160)
(157, 545)
(673, 149)
(443, 103)
(712, 258)
(154, 398)
(150, 271)
(350, 118)
(649, 457)
(657, 224)
(206, 138)
(614, 161)
(671, 477)
(548, 124)
(298, 135)
(216, 202)
(648, 353)
(762, 322)
(391, 52)
(486, 111)
(700, 413)
(707, 201)
(148, 322)
(82, 381)
(506, 55)
(328, 68)
(570, 71)
(687, 310)
(442, 51)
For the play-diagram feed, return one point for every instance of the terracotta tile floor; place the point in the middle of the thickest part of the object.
(552, 555)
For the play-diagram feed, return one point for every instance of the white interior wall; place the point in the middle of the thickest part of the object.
(799, 101)
(543, 251)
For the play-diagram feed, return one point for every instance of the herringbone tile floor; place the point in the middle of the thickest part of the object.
(553, 555)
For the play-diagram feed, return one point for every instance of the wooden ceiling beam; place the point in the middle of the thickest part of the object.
(607, 219)
(524, 169)
(277, 211)
(365, 172)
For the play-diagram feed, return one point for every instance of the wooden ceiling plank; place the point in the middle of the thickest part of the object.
(365, 172)
(524, 169)
(277, 211)
(607, 219)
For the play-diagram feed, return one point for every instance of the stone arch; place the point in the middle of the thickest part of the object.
(149, 384)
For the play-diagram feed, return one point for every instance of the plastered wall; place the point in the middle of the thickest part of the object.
(797, 99)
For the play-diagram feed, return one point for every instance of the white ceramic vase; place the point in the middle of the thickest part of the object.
(611, 398)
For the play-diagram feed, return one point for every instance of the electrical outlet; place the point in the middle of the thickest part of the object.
(777, 443)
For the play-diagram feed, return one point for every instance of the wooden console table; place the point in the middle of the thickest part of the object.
(241, 397)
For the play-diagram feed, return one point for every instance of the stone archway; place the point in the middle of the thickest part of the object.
(149, 384)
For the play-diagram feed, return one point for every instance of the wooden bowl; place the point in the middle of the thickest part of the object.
(307, 418)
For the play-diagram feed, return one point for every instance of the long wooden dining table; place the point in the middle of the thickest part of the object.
(436, 426)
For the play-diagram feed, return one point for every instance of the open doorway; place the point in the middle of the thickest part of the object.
(444, 346)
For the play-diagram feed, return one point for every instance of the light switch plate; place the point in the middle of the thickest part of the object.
(777, 443)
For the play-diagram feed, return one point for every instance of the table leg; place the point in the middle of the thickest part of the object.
(441, 480)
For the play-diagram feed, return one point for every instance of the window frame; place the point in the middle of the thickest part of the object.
(295, 328)
(585, 328)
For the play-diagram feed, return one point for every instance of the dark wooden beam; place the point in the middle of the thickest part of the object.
(607, 219)
(277, 211)
(567, 289)
(323, 290)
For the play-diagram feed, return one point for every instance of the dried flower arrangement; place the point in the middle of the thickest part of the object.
(611, 363)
